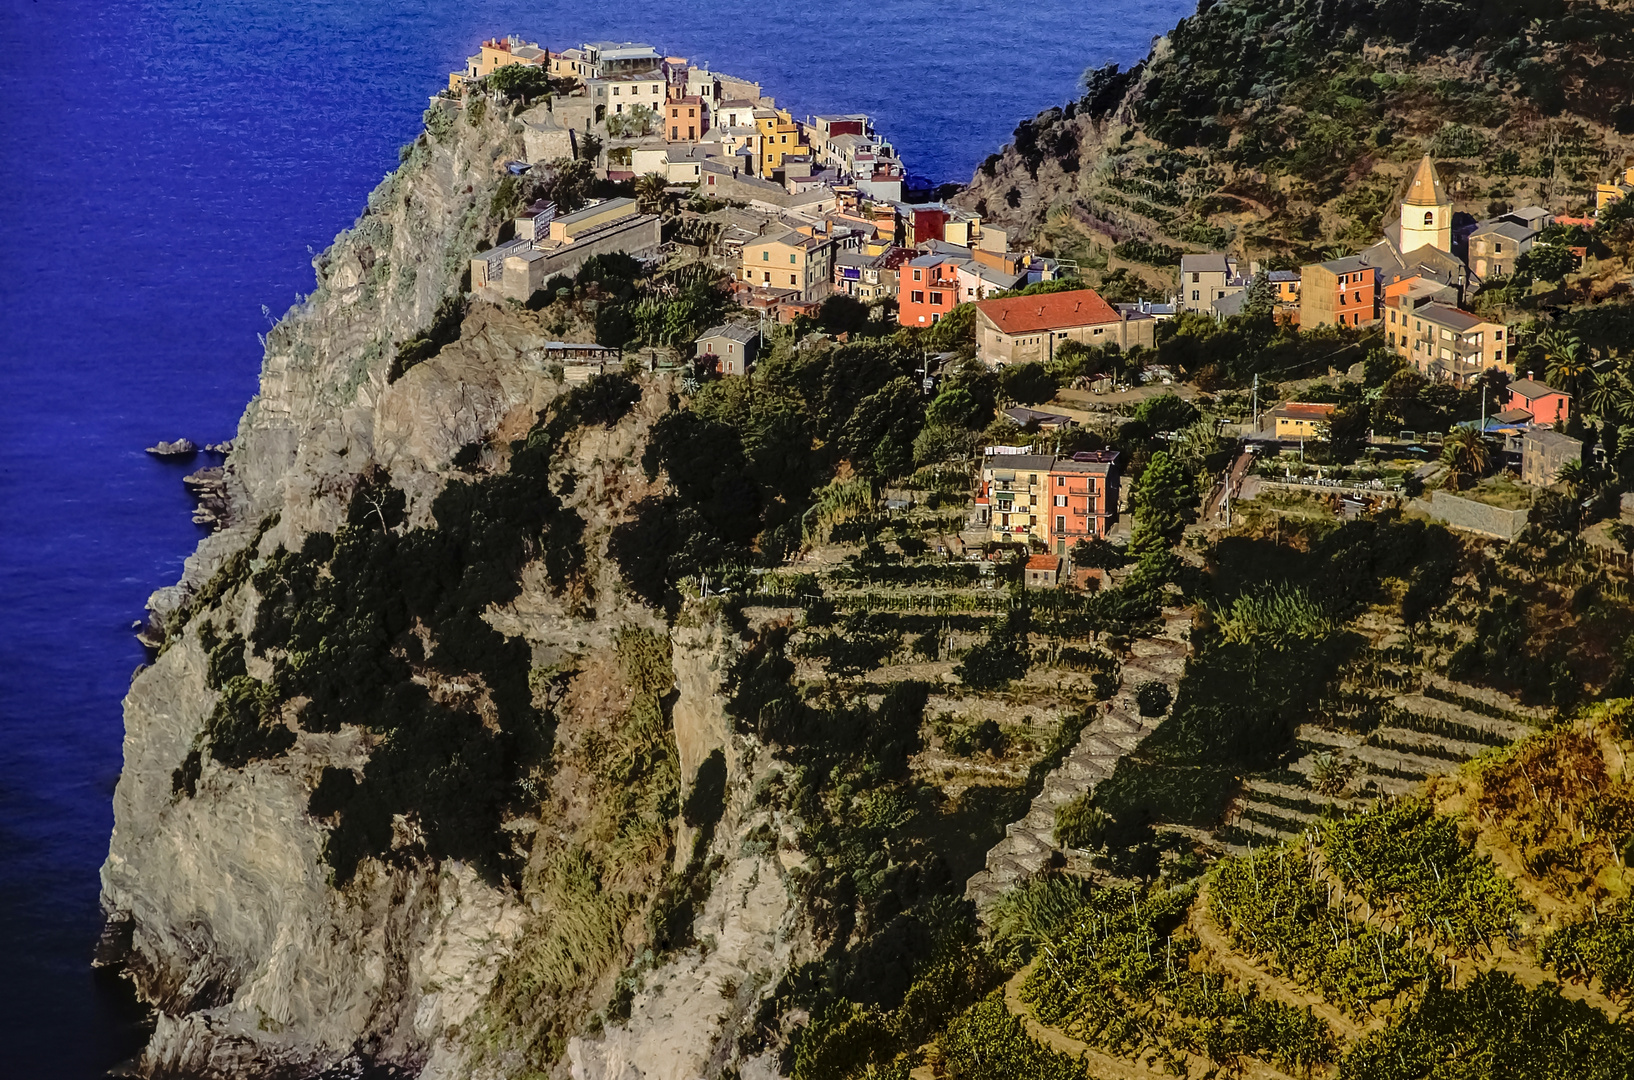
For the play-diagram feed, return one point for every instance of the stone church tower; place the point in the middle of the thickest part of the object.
(1426, 212)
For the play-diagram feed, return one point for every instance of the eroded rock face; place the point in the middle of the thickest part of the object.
(226, 915)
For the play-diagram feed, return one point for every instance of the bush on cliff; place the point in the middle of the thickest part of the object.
(342, 620)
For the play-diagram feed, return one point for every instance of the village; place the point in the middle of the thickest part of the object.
(796, 212)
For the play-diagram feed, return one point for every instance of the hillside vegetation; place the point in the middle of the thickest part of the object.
(1286, 129)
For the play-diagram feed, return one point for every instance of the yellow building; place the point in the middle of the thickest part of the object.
(1446, 342)
(1606, 194)
(780, 135)
(790, 261)
(498, 53)
(1016, 486)
(1302, 420)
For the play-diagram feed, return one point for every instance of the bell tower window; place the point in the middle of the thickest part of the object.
(1429, 217)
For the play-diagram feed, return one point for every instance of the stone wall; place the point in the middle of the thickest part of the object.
(1478, 517)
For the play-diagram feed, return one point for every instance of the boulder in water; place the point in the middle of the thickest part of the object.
(178, 448)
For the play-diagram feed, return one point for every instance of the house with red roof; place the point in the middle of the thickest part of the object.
(1020, 329)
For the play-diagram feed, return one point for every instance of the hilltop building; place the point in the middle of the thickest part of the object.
(1207, 278)
(1056, 500)
(1018, 329)
(733, 347)
(1542, 402)
(518, 268)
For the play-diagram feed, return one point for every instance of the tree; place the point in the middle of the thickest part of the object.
(1027, 384)
(1575, 475)
(1166, 412)
(841, 314)
(1261, 300)
(649, 192)
(953, 407)
(1098, 553)
(1607, 395)
(639, 121)
(520, 82)
(1465, 454)
(1547, 262)
(567, 183)
(879, 436)
(1164, 498)
(1563, 355)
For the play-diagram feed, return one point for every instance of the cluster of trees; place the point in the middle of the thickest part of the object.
(746, 457)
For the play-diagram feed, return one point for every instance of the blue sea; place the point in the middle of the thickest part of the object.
(168, 168)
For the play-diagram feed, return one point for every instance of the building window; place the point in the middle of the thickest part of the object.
(791, 258)
(1194, 293)
(1060, 523)
(1195, 278)
(1429, 217)
(765, 256)
(916, 276)
(916, 297)
(1061, 481)
(936, 299)
(794, 280)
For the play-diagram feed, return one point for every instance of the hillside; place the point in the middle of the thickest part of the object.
(535, 716)
(1286, 130)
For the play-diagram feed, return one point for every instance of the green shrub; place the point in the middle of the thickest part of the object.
(1599, 945)
(1080, 823)
(1495, 1026)
(1152, 697)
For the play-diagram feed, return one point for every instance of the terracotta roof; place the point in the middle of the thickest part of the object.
(1048, 311)
(1426, 189)
(1051, 563)
(1304, 410)
(1531, 389)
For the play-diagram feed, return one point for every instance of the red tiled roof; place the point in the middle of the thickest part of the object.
(1043, 562)
(1048, 311)
(1304, 410)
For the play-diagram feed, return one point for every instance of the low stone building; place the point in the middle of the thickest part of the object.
(1042, 571)
(1544, 452)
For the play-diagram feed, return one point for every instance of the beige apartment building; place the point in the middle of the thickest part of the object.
(790, 260)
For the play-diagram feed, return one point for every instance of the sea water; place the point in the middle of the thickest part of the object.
(168, 169)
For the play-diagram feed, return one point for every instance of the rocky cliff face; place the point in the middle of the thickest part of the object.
(223, 903)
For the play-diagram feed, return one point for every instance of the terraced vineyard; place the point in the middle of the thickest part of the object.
(1420, 733)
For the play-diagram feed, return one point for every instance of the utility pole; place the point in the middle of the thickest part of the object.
(1256, 403)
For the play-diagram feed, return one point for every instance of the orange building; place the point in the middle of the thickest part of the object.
(1343, 292)
(1083, 492)
(927, 289)
(684, 119)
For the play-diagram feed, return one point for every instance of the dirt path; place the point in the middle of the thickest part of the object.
(1226, 955)
(1103, 1066)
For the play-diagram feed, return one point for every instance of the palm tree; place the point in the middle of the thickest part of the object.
(1465, 454)
(1606, 396)
(649, 192)
(1566, 363)
(1574, 476)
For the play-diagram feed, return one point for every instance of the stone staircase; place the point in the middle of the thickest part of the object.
(1029, 844)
